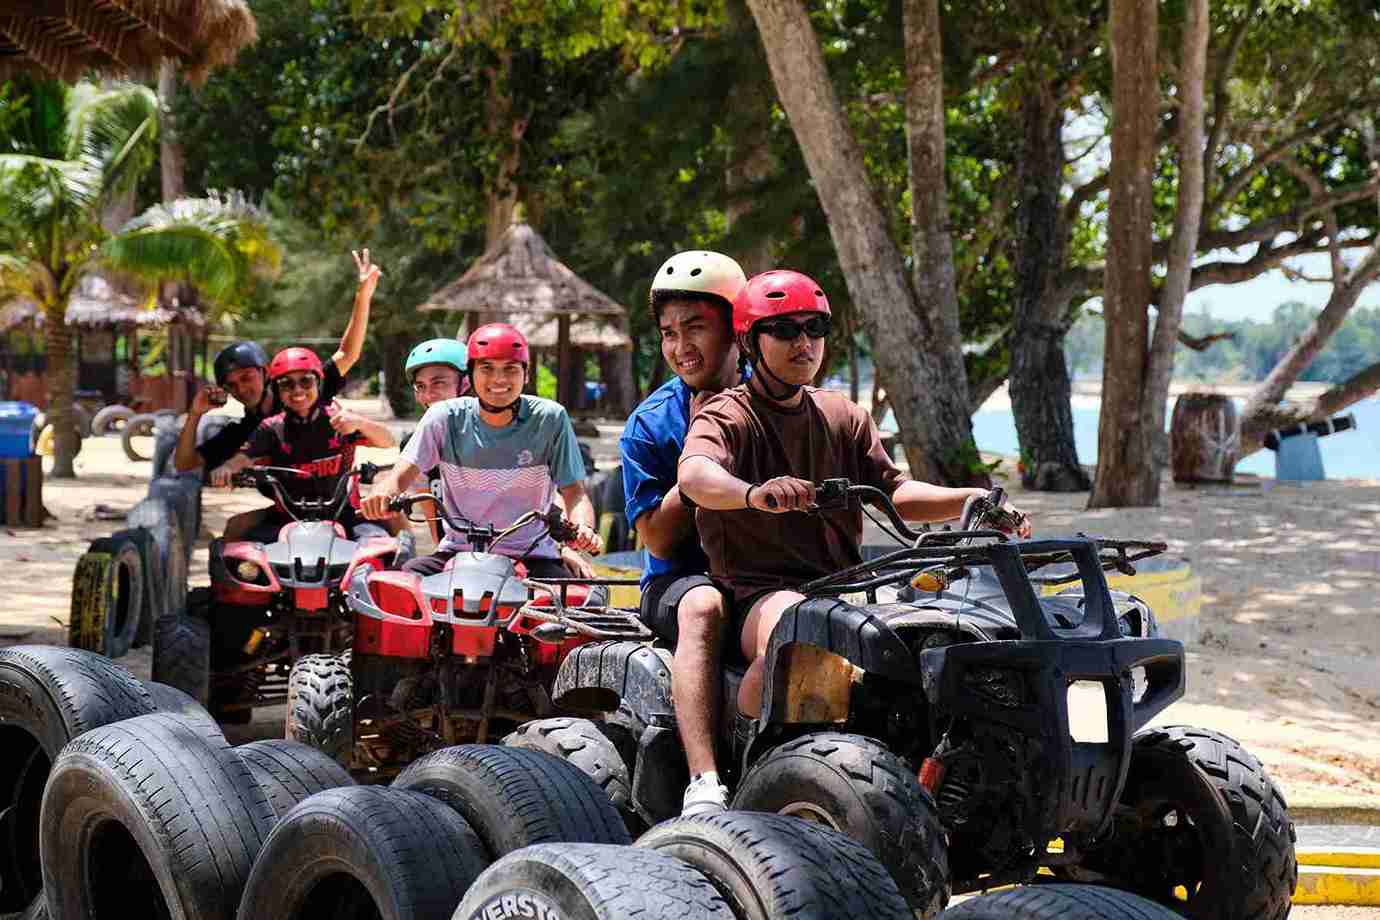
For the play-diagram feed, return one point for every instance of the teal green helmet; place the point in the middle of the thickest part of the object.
(437, 351)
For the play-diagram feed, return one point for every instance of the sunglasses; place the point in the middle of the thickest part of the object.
(788, 330)
(305, 382)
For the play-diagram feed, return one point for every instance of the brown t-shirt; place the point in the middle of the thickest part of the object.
(825, 437)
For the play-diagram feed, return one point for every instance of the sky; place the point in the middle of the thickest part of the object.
(1257, 299)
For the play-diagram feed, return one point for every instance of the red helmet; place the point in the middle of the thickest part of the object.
(295, 358)
(498, 341)
(777, 293)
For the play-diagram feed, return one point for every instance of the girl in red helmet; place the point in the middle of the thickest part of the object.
(501, 454)
(313, 433)
(754, 452)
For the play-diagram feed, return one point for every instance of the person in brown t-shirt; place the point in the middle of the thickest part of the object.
(761, 446)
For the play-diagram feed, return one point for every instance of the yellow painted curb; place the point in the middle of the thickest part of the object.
(1329, 885)
(1340, 857)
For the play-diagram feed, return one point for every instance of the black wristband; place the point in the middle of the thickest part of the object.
(747, 496)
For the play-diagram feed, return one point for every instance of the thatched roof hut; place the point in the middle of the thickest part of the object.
(587, 333)
(69, 39)
(102, 301)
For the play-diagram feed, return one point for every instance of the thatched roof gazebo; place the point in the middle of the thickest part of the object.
(69, 39)
(521, 280)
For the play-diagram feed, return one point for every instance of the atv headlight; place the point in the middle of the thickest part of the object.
(247, 571)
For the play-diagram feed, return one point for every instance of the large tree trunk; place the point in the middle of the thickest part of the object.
(1126, 472)
(393, 349)
(506, 131)
(172, 162)
(930, 398)
(61, 378)
(1188, 217)
(1041, 396)
(749, 130)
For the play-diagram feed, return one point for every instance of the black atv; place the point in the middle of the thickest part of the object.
(941, 705)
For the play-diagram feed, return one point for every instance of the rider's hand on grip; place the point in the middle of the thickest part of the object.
(782, 494)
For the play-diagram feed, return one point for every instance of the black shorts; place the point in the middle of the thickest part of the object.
(661, 599)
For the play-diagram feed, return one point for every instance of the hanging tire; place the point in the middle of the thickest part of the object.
(770, 866)
(154, 816)
(364, 851)
(1059, 902)
(580, 742)
(514, 798)
(111, 419)
(289, 772)
(51, 695)
(857, 786)
(167, 698)
(586, 881)
(321, 706)
(182, 648)
(107, 597)
(138, 426)
(1201, 828)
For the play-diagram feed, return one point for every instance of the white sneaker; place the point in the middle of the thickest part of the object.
(704, 796)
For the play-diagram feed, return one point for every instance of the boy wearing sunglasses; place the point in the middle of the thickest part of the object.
(754, 453)
(312, 433)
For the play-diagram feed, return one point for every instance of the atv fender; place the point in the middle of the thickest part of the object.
(840, 629)
(603, 675)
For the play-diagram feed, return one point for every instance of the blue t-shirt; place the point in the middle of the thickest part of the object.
(651, 445)
(495, 475)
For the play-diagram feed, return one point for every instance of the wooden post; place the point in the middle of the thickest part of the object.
(563, 358)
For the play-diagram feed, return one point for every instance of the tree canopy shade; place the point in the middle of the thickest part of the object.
(68, 39)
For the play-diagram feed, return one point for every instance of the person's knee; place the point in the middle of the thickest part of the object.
(701, 615)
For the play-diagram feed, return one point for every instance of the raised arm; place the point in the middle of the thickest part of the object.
(352, 342)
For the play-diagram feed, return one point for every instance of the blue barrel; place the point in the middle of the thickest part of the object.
(16, 429)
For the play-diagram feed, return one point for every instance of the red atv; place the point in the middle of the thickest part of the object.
(270, 603)
(464, 655)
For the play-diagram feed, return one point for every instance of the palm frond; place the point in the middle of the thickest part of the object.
(27, 278)
(221, 245)
(32, 187)
(115, 126)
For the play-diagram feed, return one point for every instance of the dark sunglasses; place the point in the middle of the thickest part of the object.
(788, 330)
(307, 382)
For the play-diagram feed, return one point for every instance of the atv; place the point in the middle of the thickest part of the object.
(269, 604)
(459, 656)
(974, 709)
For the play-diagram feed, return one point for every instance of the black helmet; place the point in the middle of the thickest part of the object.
(237, 356)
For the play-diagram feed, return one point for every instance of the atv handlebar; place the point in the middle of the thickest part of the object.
(307, 509)
(483, 536)
(982, 515)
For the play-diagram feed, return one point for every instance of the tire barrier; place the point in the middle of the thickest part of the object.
(107, 596)
(111, 420)
(163, 519)
(52, 695)
(289, 773)
(182, 647)
(138, 426)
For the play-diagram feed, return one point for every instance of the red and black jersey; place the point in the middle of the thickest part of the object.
(309, 444)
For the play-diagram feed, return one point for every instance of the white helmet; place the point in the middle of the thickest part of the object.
(697, 271)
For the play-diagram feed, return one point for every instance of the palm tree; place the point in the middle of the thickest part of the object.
(65, 154)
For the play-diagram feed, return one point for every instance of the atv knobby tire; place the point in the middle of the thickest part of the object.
(1196, 796)
(182, 647)
(107, 596)
(514, 798)
(580, 742)
(770, 866)
(364, 851)
(321, 706)
(154, 816)
(48, 696)
(855, 785)
(587, 881)
(1059, 902)
(289, 773)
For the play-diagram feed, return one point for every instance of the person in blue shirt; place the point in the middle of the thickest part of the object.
(692, 304)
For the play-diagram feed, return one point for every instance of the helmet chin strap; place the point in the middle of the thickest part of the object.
(759, 364)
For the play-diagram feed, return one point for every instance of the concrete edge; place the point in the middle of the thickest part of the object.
(1331, 885)
(1321, 811)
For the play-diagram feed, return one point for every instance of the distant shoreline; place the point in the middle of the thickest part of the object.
(1087, 394)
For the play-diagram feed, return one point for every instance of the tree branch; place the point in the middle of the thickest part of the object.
(1358, 386)
(1238, 181)
(1201, 343)
(1221, 98)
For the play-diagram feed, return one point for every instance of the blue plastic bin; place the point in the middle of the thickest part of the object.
(16, 429)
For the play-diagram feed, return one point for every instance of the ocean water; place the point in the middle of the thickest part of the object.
(1351, 454)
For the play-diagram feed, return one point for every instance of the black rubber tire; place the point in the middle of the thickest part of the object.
(289, 772)
(1059, 902)
(161, 520)
(182, 648)
(1235, 817)
(152, 607)
(769, 866)
(154, 816)
(580, 742)
(589, 881)
(167, 698)
(364, 851)
(51, 695)
(107, 597)
(140, 426)
(182, 494)
(110, 419)
(514, 798)
(321, 706)
(865, 791)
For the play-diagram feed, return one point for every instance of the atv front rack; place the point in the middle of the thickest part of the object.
(595, 621)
